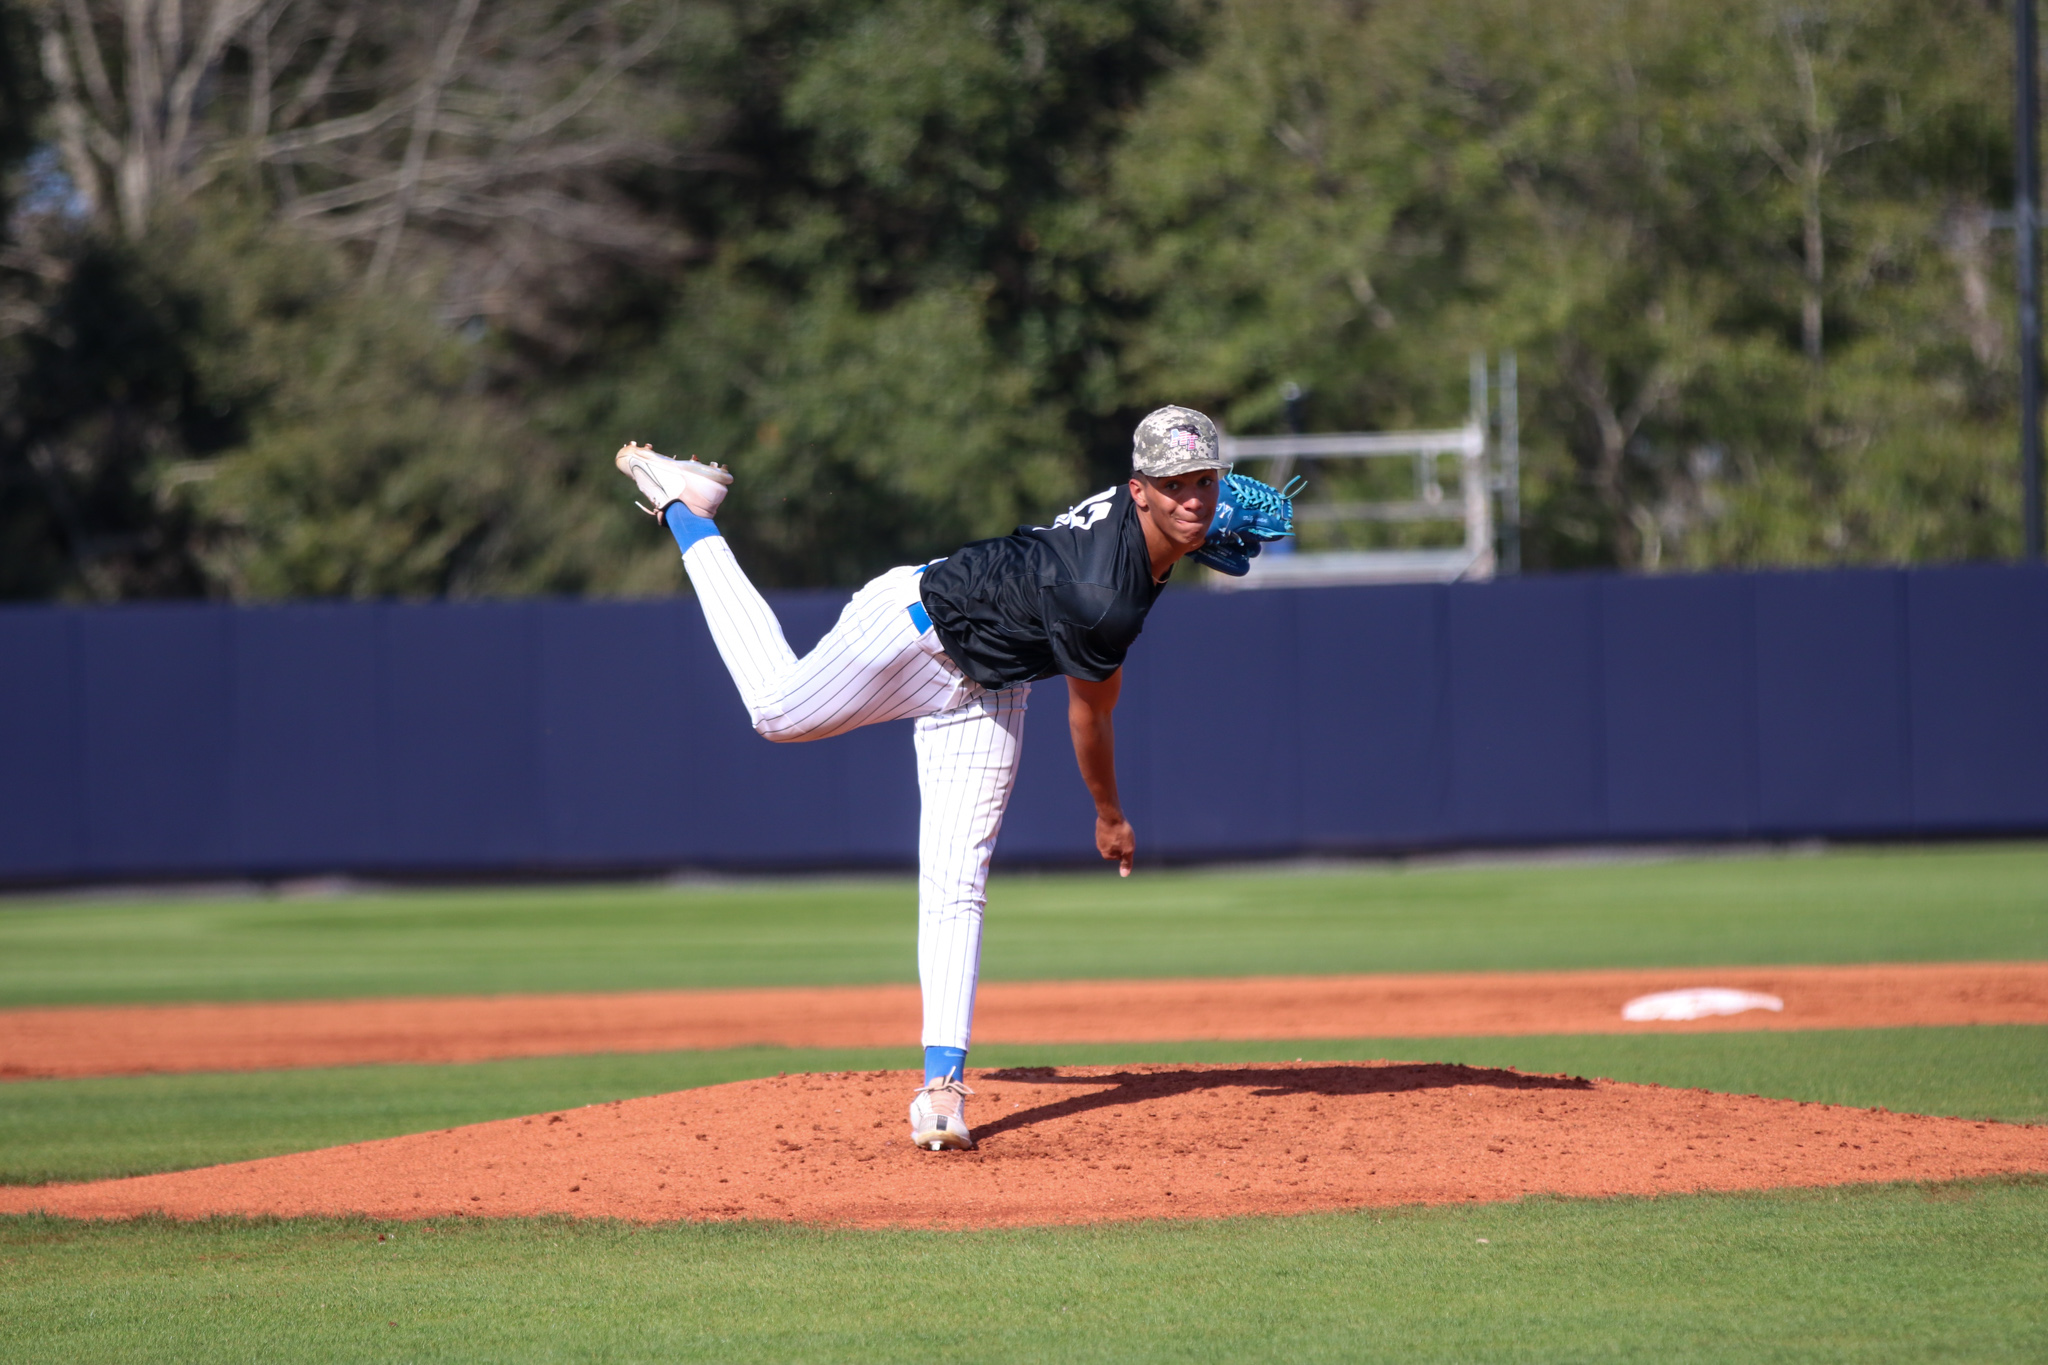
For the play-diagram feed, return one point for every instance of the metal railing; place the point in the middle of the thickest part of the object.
(1473, 506)
(1283, 566)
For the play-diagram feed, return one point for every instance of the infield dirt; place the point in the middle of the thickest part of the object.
(128, 1040)
(1087, 1144)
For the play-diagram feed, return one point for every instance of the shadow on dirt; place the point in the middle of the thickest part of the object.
(1357, 1078)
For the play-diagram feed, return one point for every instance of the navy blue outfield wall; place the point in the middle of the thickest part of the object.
(564, 737)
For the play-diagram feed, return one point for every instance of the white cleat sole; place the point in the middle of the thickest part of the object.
(698, 486)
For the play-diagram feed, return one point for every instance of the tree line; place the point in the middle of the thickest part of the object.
(355, 297)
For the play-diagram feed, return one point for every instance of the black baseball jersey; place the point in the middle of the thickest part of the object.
(1066, 598)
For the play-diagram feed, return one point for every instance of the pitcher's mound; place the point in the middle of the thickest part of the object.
(1082, 1144)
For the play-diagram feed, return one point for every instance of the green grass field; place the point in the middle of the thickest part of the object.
(1900, 1273)
(1953, 1272)
(1946, 904)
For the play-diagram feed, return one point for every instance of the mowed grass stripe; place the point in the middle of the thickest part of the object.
(1937, 1272)
(1948, 903)
(93, 1129)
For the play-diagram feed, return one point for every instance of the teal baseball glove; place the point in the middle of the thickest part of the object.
(1248, 513)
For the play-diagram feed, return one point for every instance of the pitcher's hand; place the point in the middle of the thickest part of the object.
(1115, 840)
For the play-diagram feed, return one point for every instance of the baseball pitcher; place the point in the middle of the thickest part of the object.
(955, 645)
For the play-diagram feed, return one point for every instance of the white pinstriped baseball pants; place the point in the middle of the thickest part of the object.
(875, 665)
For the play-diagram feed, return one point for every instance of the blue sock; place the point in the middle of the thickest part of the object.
(941, 1062)
(686, 526)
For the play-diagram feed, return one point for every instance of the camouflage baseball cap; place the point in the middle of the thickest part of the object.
(1175, 441)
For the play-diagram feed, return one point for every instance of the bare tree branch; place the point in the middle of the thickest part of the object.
(280, 147)
(614, 66)
(488, 141)
(90, 62)
(316, 84)
(143, 75)
(422, 132)
(260, 74)
(74, 125)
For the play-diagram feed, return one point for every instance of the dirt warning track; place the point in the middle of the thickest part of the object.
(1087, 1144)
(168, 1038)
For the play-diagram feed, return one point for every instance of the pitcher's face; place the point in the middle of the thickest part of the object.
(1179, 506)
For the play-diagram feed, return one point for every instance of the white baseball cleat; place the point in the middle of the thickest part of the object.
(699, 487)
(938, 1116)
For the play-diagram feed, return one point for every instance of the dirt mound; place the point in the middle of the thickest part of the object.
(102, 1042)
(1086, 1144)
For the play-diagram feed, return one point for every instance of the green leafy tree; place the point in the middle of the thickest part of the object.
(906, 338)
(231, 368)
(363, 303)
(224, 409)
(1732, 243)
(371, 463)
(1889, 133)
(865, 436)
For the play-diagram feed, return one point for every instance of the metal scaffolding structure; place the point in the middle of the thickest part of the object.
(1486, 469)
